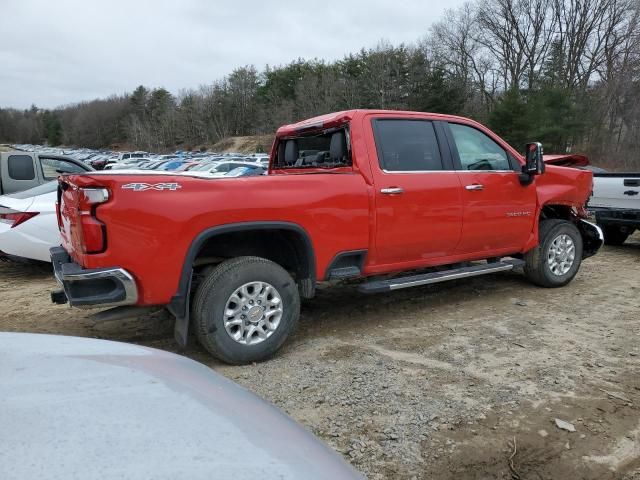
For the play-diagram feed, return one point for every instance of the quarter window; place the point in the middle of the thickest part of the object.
(477, 151)
(407, 145)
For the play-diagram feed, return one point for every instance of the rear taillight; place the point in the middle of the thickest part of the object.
(94, 235)
(15, 218)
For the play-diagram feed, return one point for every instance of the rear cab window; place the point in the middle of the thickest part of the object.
(328, 149)
(407, 145)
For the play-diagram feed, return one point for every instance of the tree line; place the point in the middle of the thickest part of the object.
(565, 72)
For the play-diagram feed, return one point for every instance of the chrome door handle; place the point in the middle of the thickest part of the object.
(475, 186)
(392, 190)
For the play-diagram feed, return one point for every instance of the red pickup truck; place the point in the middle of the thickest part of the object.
(398, 199)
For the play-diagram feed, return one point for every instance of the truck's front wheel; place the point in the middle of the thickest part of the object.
(556, 259)
(245, 309)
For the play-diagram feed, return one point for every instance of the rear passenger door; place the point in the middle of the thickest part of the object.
(498, 209)
(18, 172)
(418, 200)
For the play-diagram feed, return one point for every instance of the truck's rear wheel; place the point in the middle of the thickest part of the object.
(556, 259)
(615, 234)
(245, 309)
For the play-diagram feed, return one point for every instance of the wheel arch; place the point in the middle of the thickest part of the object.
(298, 245)
(591, 234)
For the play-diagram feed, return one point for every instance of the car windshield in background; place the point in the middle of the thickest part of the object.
(245, 171)
(202, 168)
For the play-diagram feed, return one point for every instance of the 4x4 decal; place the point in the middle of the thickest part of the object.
(141, 187)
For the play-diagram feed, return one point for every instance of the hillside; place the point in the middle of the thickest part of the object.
(248, 144)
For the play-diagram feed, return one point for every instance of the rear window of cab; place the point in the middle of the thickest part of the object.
(328, 149)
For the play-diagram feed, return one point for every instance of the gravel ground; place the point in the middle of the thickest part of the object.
(461, 380)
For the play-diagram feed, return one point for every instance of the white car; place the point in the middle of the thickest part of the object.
(128, 155)
(28, 224)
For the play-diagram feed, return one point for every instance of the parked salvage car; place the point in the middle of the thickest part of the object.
(21, 170)
(132, 163)
(171, 165)
(221, 168)
(187, 166)
(246, 171)
(616, 204)
(383, 194)
(127, 155)
(93, 409)
(28, 224)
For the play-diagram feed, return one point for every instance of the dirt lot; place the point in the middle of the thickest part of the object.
(447, 381)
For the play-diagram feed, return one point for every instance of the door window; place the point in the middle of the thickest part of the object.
(21, 167)
(52, 167)
(478, 151)
(407, 145)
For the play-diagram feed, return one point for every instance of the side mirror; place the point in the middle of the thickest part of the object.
(533, 156)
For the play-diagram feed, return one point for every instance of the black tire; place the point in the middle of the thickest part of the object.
(537, 268)
(615, 234)
(210, 301)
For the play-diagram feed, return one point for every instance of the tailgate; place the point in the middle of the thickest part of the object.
(615, 190)
(67, 212)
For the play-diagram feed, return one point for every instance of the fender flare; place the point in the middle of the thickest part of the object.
(179, 304)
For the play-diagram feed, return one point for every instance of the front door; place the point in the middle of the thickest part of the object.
(499, 211)
(418, 200)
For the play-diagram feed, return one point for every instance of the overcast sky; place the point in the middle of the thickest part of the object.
(65, 51)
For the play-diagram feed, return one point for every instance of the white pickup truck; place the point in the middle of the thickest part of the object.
(616, 204)
(23, 170)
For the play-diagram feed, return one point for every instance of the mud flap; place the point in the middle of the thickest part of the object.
(181, 330)
(181, 326)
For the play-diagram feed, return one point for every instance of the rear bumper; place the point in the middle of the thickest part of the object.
(99, 287)
(614, 216)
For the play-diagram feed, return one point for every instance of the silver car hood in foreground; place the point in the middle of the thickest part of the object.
(79, 408)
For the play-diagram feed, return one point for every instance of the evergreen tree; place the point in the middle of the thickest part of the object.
(509, 119)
